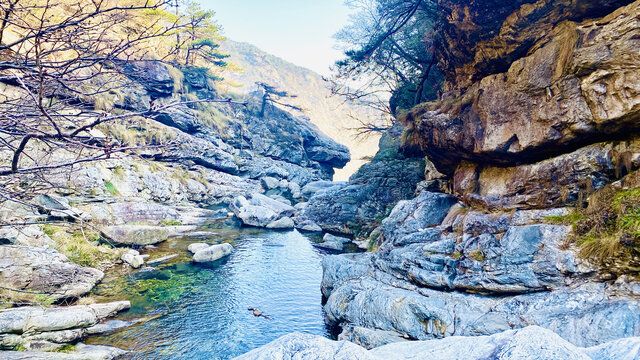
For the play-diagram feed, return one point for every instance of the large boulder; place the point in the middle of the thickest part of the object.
(332, 242)
(309, 347)
(45, 271)
(180, 117)
(39, 319)
(212, 253)
(138, 235)
(261, 211)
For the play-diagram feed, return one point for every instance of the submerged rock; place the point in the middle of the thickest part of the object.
(213, 253)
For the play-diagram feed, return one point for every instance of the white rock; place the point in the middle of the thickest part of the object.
(213, 253)
(283, 223)
(193, 248)
(134, 260)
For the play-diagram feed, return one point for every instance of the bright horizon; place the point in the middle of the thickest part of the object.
(298, 31)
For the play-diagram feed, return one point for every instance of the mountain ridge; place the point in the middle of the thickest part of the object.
(334, 117)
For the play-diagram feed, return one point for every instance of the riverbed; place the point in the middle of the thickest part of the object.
(192, 311)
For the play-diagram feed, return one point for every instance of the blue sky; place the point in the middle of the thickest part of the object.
(299, 31)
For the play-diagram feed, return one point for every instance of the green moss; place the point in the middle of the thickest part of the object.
(476, 255)
(43, 300)
(608, 230)
(169, 223)
(119, 171)
(629, 222)
(456, 255)
(49, 229)
(570, 219)
(111, 189)
(69, 348)
(82, 248)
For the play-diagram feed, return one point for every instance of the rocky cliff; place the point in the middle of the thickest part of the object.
(334, 116)
(524, 216)
(191, 156)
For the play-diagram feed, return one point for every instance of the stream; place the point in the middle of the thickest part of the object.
(192, 311)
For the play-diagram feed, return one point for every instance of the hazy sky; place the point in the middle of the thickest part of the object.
(299, 31)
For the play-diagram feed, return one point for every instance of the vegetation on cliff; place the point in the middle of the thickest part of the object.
(61, 59)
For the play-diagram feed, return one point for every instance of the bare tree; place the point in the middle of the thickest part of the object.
(56, 58)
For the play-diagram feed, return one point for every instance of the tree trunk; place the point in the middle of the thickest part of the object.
(423, 80)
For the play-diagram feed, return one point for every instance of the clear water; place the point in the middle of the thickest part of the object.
(200, 312)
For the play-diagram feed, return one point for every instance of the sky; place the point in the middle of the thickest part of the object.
(299, 31)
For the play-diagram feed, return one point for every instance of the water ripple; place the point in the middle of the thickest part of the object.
(277, 272)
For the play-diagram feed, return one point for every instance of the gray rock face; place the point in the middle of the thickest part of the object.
(370, 193)
(370, 338)
(530, 343)
(411, 216)
(82, 352)
(49, 329)
(202, 152)
(490, 255)
(153, 75)
(299, 346)
(26, 236)
(315, 186)
(431, 244)
(46, 271)
(213, 253)
(386, 303)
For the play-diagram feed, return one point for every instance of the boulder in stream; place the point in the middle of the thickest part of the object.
(213, 253)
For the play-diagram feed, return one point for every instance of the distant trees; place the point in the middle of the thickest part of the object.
(389, 55)
(271, 94)
(56, 57)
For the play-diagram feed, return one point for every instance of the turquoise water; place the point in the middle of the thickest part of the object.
(200, 312)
